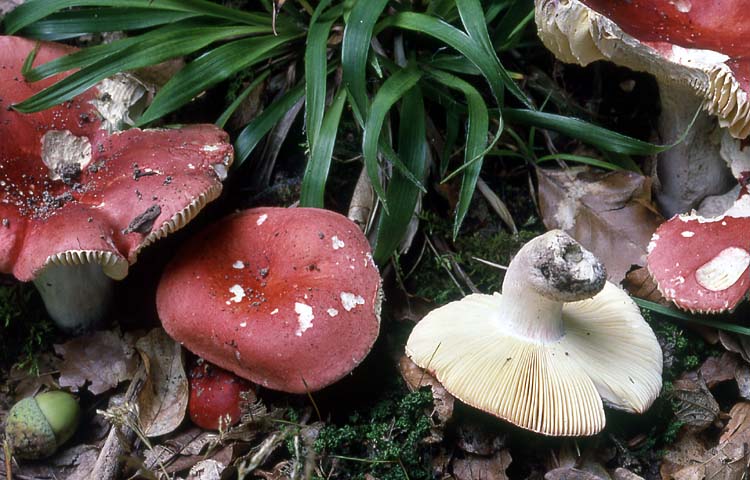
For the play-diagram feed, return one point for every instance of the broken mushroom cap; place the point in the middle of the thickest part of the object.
(702, 44)
(702, 264)
(78, 203)
(546, 352)
(286, 298)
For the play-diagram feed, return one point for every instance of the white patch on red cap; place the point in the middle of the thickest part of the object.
(723, 271)
(687, 234)
(238, 292)
(350, 300)
(332, 312)
(239, 265)
(337, 243)
(304, 317)
(261, 219)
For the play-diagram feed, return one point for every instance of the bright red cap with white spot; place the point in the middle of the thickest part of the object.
(73, 193)
(287, 298)
(703, 264)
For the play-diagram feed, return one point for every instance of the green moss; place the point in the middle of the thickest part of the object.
(25, 328)
(384, 441)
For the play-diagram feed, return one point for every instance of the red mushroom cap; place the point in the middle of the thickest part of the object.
(703, 264)
(72, 193)
(287, 298)
(215, 396)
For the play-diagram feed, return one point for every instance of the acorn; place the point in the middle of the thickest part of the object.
(216, 394)
(37, 426)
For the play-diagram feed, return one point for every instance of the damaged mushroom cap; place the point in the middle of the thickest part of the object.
(702, 44)
(702, 264)
(543, 355)
(74, 194)
(286, 298)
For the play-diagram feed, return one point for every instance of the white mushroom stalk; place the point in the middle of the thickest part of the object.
(546, 352)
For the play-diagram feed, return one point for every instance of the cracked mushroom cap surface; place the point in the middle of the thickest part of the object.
(286, 298)
(702, 264)
(486, 354)
(700, 43)
(72, 193)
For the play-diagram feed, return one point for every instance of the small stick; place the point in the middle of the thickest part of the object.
(7, 450)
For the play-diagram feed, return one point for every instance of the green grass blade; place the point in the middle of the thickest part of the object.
(155, 49)
(34, 10)
(402, 195)
(596, 136)
(476, 141)
(392, 90)
(489, 65)
(355, 48)
(472, 16)
(316, 171)
(211, 68)
(226, 115)
(513, 23)
(253, 133)
(316, 71)
(594, 162)
(90, 20)
(680, 315)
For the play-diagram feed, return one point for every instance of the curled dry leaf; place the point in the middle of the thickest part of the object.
(716, 370)
(443, 401)
(610, 214)
(697, 407)
(206, 470)
(475, 467)
(164, 397)
(739, 344)
(103, 360)
(639, 283)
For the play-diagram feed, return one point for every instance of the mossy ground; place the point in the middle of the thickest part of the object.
(25, 329)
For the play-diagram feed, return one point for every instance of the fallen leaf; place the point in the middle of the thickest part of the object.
(742, 375)
(206, 470)
(716, 370)
(443, 401)
(611, 213)
(8, 5)
(475, 467)
(164, 397)
(639, 283)
(570, 473)
(103, 360)
(696, 406)
(26, 384)
(625, 474)
(686, 453)
(736, 343)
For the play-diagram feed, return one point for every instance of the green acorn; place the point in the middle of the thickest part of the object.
(37, 426)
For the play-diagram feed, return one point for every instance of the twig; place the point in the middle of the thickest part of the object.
(8, 460)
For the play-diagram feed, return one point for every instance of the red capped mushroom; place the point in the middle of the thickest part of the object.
(78, 203)
(286, 298)
(216, 396)
(702, 264)
(698, 52)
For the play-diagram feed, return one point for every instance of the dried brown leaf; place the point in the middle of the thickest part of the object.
(475, 467)
(8, 5)
(639, 283)
(101, 360)
(697, 407)
(206, 470)
(742, 375)
(736, 343)
(716, 370)
(611, 213)
(26, 384)
(163, 399)
(416, 378)
(571, 473)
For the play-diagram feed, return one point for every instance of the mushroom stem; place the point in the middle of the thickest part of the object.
(548, 271)
(693, 169)
(76, 296)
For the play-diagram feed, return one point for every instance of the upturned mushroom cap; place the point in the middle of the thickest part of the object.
(698, 43)
(702, 264)
(287, 298)
(72, 193)
(539, 363)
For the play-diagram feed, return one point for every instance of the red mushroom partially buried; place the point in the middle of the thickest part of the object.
(78, 203)
(216, 396)
(287, 298)
(702, 264)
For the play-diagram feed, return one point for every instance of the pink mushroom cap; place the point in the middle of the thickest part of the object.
(286, 298)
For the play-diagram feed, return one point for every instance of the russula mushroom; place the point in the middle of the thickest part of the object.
(546, 352)
(286, 298)
(37, 426)
(78, 203)
(216, 396)
(698, 52)
(702, 264)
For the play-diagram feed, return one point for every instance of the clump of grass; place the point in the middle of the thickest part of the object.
(384, 441)
(25, 328)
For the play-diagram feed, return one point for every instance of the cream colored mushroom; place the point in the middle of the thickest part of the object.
(546, 352)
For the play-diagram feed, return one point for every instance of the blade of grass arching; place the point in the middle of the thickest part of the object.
(227, 114)
(594, 162)
(155, 49)
(355, 48)
(489, 65)
(596, 136)
(392, 90)
(512, 24)
(92, 20)
(402, 195)
(316, 66)
(33, 10)
(254, 131)
(211, 68)
(452, 126)
(319, 163)
(687, 317)
(476, 141)
(472, 17)
(454, 63)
